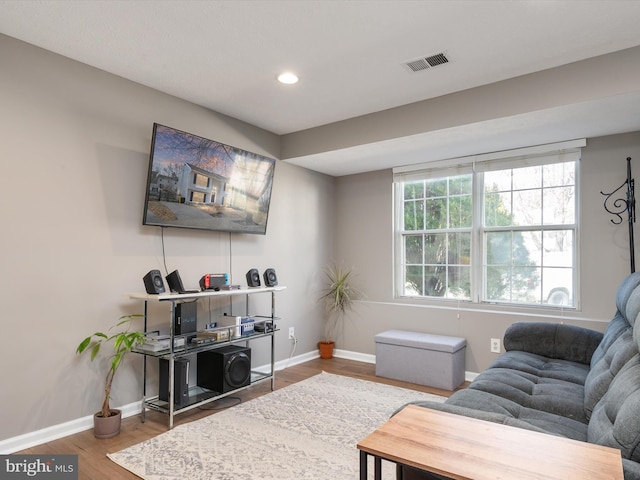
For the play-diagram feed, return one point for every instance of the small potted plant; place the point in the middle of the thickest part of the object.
(338, 299)
(106, 422)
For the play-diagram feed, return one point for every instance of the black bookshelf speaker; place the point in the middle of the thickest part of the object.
(270, 278)
(153, 282)
(224, 369)
(253, 278)
(175, 282)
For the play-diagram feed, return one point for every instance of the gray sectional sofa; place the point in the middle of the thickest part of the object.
(565, 380)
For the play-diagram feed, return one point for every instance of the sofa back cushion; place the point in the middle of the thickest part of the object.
(625, 290)
(616, 327)
(602, 373)
(628, 308)
(615, 421)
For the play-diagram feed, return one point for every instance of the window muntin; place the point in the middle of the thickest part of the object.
(523, 236)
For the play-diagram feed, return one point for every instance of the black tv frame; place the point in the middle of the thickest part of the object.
(194, 182)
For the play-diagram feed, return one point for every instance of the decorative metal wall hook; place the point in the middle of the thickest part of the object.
(619, 206)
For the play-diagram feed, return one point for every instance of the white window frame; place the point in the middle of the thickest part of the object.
(477, 165)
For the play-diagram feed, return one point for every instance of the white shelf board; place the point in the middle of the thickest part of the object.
(207, 293)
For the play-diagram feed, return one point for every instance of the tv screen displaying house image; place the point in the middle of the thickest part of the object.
(198, 183)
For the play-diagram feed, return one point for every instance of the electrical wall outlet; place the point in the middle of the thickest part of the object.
(495, 345)
(291, 333)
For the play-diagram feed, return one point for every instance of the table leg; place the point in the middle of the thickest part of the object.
(363, 465)
(378, 467)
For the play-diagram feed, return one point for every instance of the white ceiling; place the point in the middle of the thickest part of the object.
(225, 55)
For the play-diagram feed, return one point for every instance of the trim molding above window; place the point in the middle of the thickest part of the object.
(568, 151)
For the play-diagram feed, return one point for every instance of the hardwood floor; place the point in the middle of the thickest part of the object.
(94, 465)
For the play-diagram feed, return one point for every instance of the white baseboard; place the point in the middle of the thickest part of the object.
(470, 376)
(297, 360)
(356, 356)
(31, 439)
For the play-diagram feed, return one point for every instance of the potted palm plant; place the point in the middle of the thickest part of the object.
(106, 422)
(338, 298)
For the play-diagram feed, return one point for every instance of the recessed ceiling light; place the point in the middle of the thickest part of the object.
(288, 78)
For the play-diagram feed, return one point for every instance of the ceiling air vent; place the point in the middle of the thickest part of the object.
(427, 62)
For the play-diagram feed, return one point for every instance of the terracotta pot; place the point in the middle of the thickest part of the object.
(107, 427)
(326, 349)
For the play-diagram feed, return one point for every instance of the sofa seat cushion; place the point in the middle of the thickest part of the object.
(532, 391)
(542, 367)
(505, 409)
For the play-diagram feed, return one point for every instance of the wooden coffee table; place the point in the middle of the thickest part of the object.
(460, 447)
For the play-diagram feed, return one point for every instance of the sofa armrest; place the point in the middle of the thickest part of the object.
(553, 340)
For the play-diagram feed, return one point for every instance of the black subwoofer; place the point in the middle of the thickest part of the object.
(225, 368)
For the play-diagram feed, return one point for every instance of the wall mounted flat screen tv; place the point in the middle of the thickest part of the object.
(198, 183)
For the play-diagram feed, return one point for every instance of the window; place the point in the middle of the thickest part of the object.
(437, 237)
(528, 234)
(498, 230)
(197, 197)
(200, 180)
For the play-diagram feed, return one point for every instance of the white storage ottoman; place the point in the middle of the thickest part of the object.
(422, 358)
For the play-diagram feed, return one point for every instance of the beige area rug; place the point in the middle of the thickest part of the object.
(308, 430)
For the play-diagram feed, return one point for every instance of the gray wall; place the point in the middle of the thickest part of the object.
(364, 240)
(74, 150)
